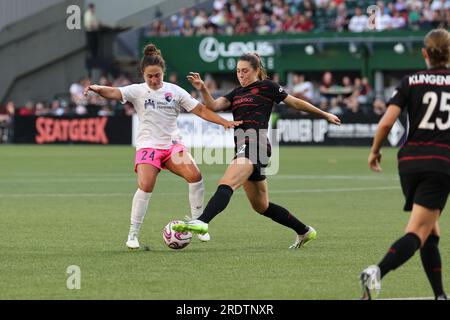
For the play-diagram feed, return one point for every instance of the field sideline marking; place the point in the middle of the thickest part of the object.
(12, 195)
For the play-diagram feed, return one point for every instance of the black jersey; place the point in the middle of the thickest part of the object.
(253, 104)
(425, 96)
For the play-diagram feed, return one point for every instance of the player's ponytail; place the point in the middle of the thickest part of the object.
(255, 61)
(437, 45)
(262, 73)
(152, 56)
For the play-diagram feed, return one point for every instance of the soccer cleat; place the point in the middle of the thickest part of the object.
(370, 279)
(132, 242)
(441, 297)
(195, 226)
(303, 239)
(204, 237)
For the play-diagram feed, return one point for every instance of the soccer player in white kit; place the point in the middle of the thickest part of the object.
(158, 104)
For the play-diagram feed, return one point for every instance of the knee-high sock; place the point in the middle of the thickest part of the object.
(139, 209)
(431, 261)
(400, 252)
(196, 196)
(285, 218)
(217, 203)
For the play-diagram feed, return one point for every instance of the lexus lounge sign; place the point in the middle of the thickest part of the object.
(211, 50)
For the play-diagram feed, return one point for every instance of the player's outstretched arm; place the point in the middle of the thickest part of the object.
(211, 103)
(302, 105)
(384, 127)
(105, 91)
(206, 114)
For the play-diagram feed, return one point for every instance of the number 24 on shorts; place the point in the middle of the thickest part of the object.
(145, 153)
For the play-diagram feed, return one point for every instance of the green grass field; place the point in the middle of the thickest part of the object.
(69, 205)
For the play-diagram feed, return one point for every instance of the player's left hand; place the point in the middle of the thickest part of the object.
(231, 124)
(195, 79)
(331, 118)
(374, 161)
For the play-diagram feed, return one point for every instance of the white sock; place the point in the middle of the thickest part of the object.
(196, 195)
(139, 209)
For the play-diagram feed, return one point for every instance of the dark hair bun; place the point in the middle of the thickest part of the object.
(151, 50)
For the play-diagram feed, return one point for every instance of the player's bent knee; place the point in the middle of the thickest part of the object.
(232, 185)
(420, 233)
(194, 177)
(146, 187)
(260, 208)
(227, 182)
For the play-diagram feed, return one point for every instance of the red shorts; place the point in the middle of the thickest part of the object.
(157, 157)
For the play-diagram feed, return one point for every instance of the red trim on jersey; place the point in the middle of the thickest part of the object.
(424, 158)
(248, 94)
(429, 84)
(258, 95)
(434, 144)
(246, 114)
(253, 121)
(252, 95)
(245, 105)
(245, 140)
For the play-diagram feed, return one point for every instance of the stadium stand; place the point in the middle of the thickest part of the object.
(350, 92)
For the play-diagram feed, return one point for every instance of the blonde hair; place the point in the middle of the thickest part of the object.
(437, 45)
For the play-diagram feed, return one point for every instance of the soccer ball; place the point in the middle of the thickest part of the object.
(176, 240)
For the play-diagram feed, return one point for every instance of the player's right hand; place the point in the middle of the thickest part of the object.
(374, 161)
(195, 79)
(95, 88)
(331, 118)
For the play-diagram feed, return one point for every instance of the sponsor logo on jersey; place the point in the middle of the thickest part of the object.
(243, 100)
(149, 103)
(168, 96)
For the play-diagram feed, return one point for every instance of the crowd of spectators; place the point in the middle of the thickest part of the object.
(229, 17)
(347, 95)
(75, 103)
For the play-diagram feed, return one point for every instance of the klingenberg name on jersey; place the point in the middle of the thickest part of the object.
(433, 79)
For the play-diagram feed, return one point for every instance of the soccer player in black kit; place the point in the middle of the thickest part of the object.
(423, 163)
(252, 104)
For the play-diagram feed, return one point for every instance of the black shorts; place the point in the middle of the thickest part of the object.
(256, 174)
(428, 189)
(259, 156)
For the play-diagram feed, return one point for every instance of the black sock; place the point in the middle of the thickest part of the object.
(400, 252)
(217, 203)
(431, 261)
(282, 216)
